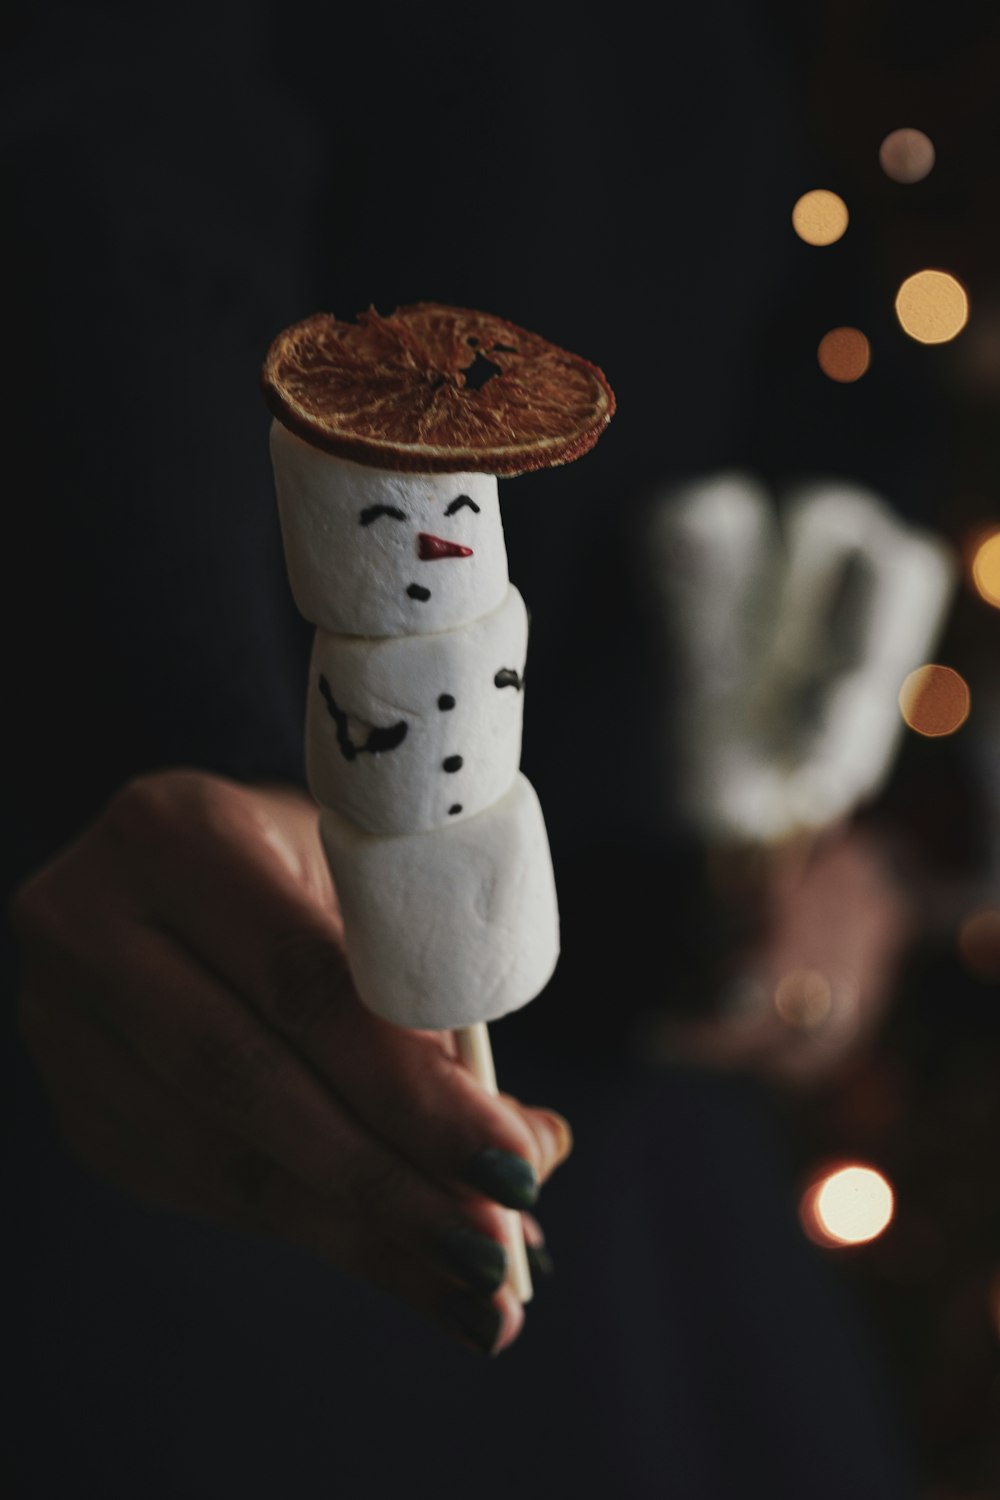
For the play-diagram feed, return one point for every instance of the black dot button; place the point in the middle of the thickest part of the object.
(446, 701)
(453, 763)
(456, 807)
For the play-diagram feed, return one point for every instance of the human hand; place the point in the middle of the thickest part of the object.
(811, 987)
(187, 1002)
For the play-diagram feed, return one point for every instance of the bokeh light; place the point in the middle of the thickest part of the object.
(844, 354)
(820, 217)
(803, 998)
(906, 155)
(986, 568)
(932, 307)
(979, 943)
(847, 1206)
(934, 700)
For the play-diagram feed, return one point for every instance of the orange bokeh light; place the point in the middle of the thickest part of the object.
(932, 307)
(820, 217)
(986, 568)
(934, 700)
(844, 354)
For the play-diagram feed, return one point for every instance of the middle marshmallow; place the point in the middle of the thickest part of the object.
(409, 733)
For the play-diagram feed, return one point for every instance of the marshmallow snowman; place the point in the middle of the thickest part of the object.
(435, 841)
(389, 434)
(448, 706)
(358, 541)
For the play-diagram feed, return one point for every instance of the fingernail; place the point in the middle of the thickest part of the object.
(478, 1323)
(476, 1259)
(501, 1175)
(559, 1137)
(539, 1260)
(533, 1232)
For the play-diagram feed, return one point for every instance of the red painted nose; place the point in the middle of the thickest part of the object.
(431, 547)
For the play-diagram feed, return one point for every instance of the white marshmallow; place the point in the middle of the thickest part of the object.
(352, 567)
(437, 699)
(792, 647)
(849, 657)
(450, 927)
(714, 547)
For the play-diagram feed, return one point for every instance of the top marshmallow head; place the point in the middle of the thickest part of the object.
(378, 553)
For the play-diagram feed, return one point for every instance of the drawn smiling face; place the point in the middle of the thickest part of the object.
(375, 553)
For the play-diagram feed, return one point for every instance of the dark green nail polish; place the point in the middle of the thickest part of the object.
(477, 1322)
(539, 1261)
(507, 1178)
(479, 1261)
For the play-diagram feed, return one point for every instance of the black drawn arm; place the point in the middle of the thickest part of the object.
(378, 739)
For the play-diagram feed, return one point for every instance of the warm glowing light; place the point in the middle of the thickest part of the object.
(844, 354)
(979, 943)
(906, 155)
(995, 1302)
(932, 307)
(803, 998)
(819, 217)
(986, 568)
(849, 1206)
(934, 700)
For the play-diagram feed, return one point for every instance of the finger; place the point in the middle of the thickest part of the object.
(124, 1120)
(722, 1042)
(486, 1323)
(247, 914)
(227, 1068)
(216, 1179)
(125, 1124)
(128, 1127)
(408, 1087)
(540, 1261)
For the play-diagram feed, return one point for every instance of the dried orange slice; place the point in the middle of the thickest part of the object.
(435, 389)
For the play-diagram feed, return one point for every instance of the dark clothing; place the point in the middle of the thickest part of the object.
(180, 187)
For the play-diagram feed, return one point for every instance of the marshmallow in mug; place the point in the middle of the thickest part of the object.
(413, 732)
(374, 552)
(452, 926)
(794, 630)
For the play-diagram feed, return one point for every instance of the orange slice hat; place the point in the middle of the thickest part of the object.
(433, 389)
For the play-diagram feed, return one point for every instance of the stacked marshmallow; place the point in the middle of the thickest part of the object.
(435, 841)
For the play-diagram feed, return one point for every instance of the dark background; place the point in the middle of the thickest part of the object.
(179, 185)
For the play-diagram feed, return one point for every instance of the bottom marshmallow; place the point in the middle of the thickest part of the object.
(451, 926)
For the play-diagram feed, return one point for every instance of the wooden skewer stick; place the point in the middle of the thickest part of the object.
(475, 1051)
